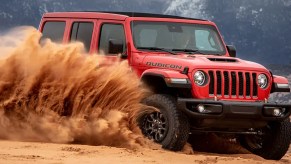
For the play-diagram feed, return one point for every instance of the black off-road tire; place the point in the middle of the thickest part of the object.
(177, 132)
(274, 144)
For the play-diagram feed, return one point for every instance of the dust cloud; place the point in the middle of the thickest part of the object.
(55, 93)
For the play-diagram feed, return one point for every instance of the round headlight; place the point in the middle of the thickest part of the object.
(262, 81)
(199, 78)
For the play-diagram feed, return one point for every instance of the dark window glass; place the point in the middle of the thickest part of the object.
(82, 31)
(110, 32)
(54, 31)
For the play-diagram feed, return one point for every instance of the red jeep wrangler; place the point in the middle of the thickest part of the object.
(198, 83)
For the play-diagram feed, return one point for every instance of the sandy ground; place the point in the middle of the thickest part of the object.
(29, 152)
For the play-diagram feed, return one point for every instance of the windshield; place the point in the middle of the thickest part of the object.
(177, 37)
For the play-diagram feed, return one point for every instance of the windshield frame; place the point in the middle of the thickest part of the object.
(201, 25)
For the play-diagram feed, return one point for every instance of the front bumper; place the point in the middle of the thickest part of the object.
(258, 111)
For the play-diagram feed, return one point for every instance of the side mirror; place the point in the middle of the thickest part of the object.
(115, 46)
(231, 50)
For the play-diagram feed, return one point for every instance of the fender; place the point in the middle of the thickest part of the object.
(280, 84)
(172, 78)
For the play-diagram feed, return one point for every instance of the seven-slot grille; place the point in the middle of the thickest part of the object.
(233, 84)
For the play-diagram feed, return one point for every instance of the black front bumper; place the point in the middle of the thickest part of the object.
(258, 111)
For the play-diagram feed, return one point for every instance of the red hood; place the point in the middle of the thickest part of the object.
(200, 62)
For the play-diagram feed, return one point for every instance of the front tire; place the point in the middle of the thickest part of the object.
(274, 142)
(166, 125)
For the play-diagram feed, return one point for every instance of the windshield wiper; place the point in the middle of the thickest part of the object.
(189, 50)
(156, 49)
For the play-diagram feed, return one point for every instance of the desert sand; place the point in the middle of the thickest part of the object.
(33, 152)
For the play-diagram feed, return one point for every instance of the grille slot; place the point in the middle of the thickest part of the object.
(233, 83)
(219, 82)
(255, 85)
(211, 83)
(226, 83)
(236, 84)
(241, 83)
(248, 84)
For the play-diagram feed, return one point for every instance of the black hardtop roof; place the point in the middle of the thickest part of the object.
(140, 14)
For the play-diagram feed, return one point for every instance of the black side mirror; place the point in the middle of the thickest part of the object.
(115, 46)
(231, 50)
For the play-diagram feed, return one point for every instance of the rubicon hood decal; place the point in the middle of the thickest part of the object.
(154, 64)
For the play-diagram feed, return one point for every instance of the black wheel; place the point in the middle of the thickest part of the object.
(272, 144)
(155, 126)
(165, 124)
